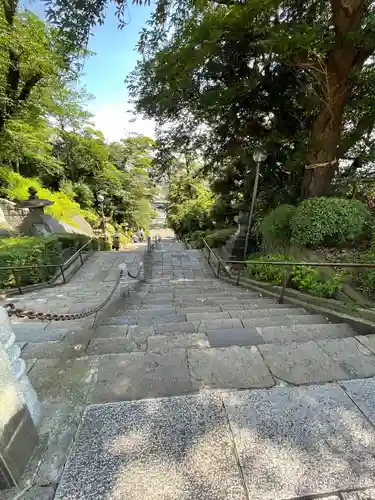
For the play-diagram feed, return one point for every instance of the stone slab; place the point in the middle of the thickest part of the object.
(154, 450)
(34, 493)
(350, 355)
(59, 350)
(60, 422)
(163, 343)
(111, 331)
(68, 380)
(367, 494)
(207, 316)
(362, 392)
(296, 442)
(231, 368)
(35, 335)
(368, 341)
(302, 363)
(214, 324)
(160, 319)
(171, 328)
(195, 310)
(111, 345)
(125, 377)
(304, 333)
(284, 320)
(265, 313)
(223, 337)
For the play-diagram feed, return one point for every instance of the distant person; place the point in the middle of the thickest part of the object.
(141, 235)
(116, 242)
(135, 238)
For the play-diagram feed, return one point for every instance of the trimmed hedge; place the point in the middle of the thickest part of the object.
(35, 251)
(275, 228)
(330, 221)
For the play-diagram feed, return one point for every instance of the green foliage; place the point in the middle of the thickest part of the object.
(330, 221)
(275, 228)
(35, 251)
(189, 205)
(313, 281)
(266, 272)
(218, 238)
(303, 278)
(14, 187)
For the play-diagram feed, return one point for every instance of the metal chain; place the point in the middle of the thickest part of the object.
(42, 316)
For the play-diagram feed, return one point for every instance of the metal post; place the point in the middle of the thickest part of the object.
(255, 190)
(283, 286)
(238, 276)
(209, 255)
(62, 273)
(80, 255)
(17, 280)
(218, 269)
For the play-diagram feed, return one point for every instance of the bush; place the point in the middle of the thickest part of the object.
(311, 280)
(275, 228)
(219, 237)
(35, 251)
(266, 272)
(330, 221)
(303, 278)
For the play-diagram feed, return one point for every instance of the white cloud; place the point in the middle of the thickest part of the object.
(116, 122)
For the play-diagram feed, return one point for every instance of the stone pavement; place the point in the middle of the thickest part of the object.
(191, 388)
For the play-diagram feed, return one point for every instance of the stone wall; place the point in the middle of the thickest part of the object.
(10, 214)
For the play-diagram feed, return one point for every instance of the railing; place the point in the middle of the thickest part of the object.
(227, 266)
(81, 255)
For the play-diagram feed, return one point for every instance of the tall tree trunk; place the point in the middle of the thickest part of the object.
(334, 86)
(322, 153)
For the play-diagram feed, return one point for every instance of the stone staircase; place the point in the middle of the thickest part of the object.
(196, 389)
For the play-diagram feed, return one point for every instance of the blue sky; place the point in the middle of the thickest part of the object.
(105, 72)
(115, 56)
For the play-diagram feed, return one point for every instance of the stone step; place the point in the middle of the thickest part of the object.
(165, 343)
(242, 314)
(304, 333)
(227, 446)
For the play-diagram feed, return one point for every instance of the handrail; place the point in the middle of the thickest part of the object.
(286, 263)
(62, 266)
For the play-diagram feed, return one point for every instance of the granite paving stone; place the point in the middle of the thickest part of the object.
(111, 345)
(216, 324)
(55, 349)
(367, 494)
(266, 313)
(302, 363)
(177, 448)
(105, 332)
(362, 392)
(141, 375)
(350, 355)
(283, 320)
(171, 328)
(207, 316)
(300, 441)
(40, 335)
(230, 368)
(165, 343)
(68, 380)
(303, 333)
(223, 337)
(368, 341)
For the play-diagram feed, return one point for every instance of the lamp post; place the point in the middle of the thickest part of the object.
(259, 156)
(100, 199)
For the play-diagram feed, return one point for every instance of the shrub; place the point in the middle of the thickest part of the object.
(35, 251)
(303, 278)
(266, 272)
(275, 228)
(219, 237)
(311, 280)
(330, 221)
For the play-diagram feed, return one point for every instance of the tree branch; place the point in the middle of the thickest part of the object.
(28, 87)
(10, 8)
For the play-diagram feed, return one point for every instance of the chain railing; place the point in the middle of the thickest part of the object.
(81, 255)
(43, 316)
(235, 269)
